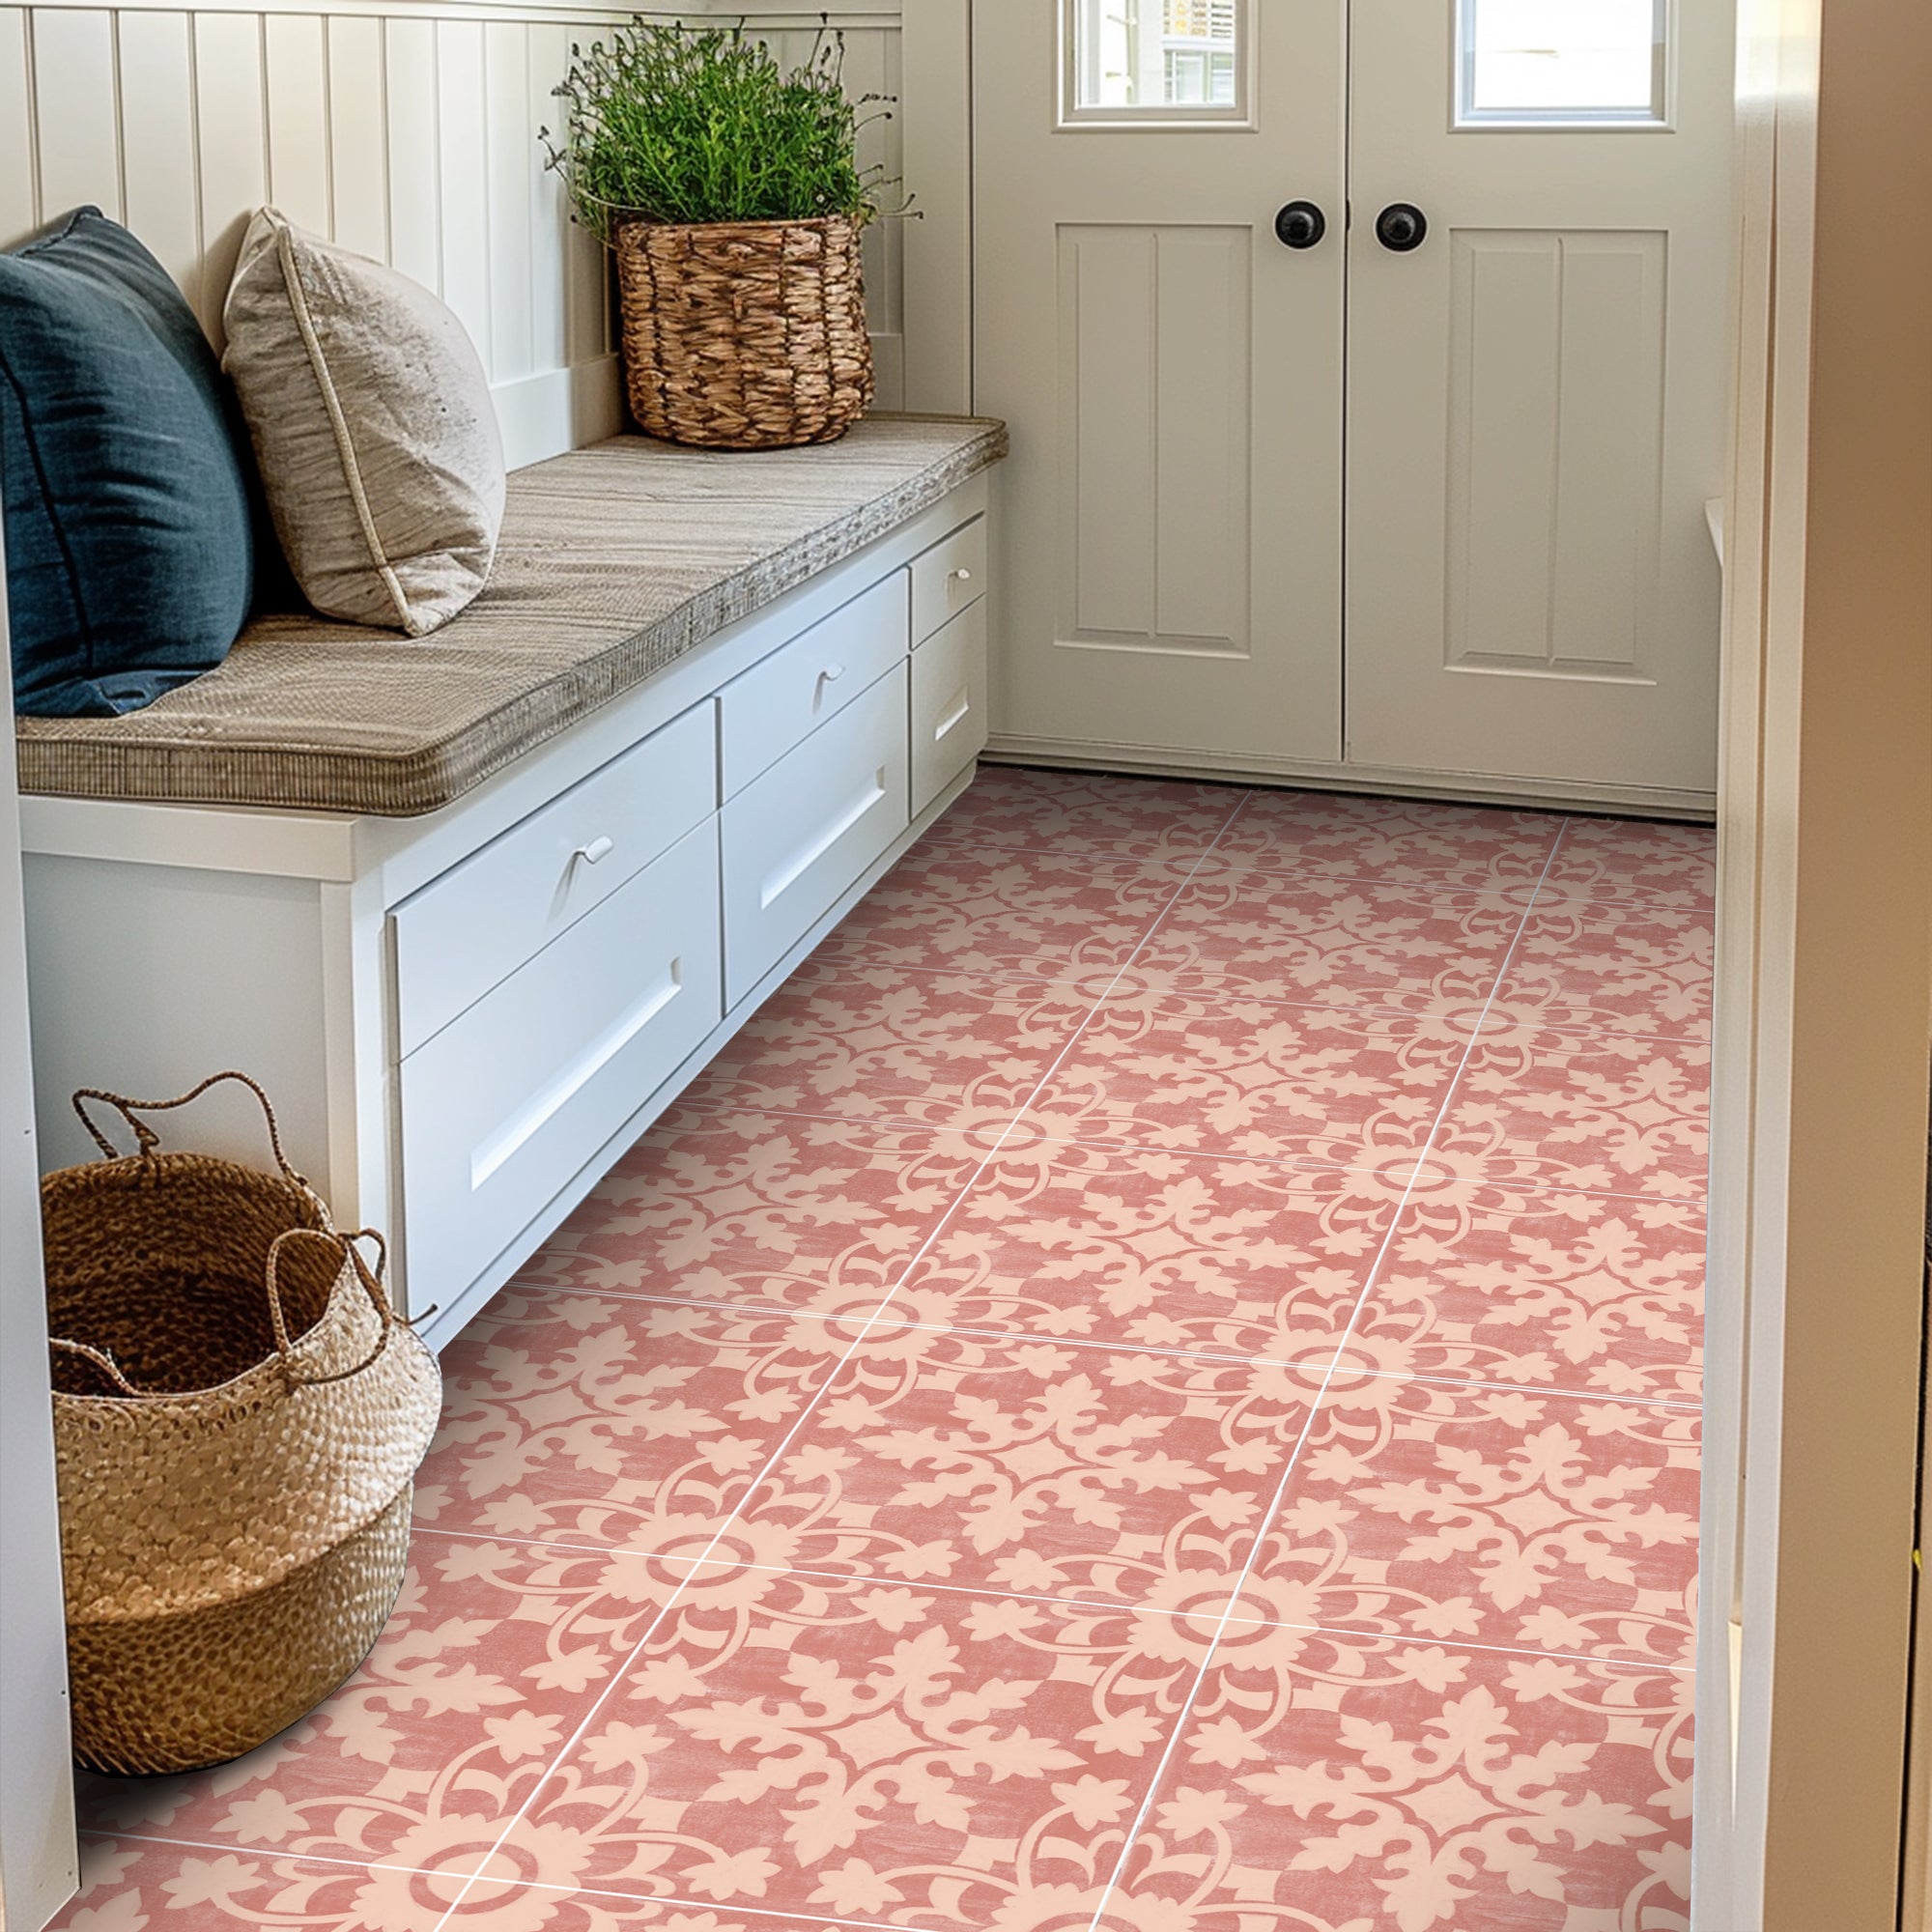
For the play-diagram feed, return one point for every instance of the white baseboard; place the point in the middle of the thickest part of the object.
(1476, 787)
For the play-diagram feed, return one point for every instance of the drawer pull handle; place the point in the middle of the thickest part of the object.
(544, 1106)
(596, 850)
(832, 673)
(961, 576)
(956, 715)
(779, 883)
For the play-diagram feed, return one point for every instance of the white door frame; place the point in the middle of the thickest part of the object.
(1825, 957)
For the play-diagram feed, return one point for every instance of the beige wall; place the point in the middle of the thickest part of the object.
(1826, 957)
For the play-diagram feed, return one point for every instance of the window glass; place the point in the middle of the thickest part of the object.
(1561, 60)
(1176, 59)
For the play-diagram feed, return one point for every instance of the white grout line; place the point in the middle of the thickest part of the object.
(1100, 1345)
(818, 1394)
(733, 1566)
(1181, 1722)
(886, 1125)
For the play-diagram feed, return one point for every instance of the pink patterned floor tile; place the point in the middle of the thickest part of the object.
(1601, 1295)
(583, 1418)
(856, 1751)
(496, 1653)
(1614, 1114)
(740, 1205)
(1323, 1785)
(1069, 812)
(1030, 1467)
(1398, 841)
(1629, 860)
(1009, 912)
(134, 1885)
(1332, 942)
(1622, 969)
(1159, 1250)
(930, 1049)
(1184, 1072)
(1493, 1516)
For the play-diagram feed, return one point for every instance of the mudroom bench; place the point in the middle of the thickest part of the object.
(478, 908)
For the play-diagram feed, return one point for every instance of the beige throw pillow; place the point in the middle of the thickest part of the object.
(373, 428)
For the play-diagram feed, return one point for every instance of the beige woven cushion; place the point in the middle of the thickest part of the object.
(616, 561)
(373, 428)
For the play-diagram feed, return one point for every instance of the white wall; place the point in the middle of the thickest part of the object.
(405, 131)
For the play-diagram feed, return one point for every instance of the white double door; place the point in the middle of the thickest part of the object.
(1288, 504)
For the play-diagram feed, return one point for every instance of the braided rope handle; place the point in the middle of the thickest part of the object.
(100, 1359)
(372, 1286)
(148, 1141)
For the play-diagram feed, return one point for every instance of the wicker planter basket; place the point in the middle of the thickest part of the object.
(744, 334)
(238, 1417)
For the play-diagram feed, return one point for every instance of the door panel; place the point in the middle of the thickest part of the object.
(1173, 373)
(1535, 412)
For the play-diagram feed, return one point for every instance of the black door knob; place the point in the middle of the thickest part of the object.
(1401, 227)
(1300, 224)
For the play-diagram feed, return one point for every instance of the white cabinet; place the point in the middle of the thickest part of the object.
(948, 704)
(510, 1101)
(801, 835)
(480, 921)
(466, 1017)
(814, 678)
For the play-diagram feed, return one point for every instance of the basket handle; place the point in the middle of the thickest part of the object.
(372, 1285)
(148, 1139)
(100, 1359)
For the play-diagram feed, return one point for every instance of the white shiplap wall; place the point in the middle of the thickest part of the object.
(407, 133)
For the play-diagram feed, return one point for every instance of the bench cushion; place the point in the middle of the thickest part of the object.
(614, 561)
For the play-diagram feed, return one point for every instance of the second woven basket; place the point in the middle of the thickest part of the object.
(239, 1414)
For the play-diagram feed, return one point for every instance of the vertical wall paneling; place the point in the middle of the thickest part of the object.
(157, 139)
(416, 246)
(76, 109)
(587, 288)
(409, 138)
(231, 139)
(298, 82)
(462, 153)
(512, 157)
(20, 204)
(549, 48)
(358, 173)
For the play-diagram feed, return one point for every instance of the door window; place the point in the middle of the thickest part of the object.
(1154, 60)
(1561, 62)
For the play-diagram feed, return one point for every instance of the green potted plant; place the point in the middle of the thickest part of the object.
(730, 193)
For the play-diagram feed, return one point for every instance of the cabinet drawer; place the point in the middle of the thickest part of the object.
(778, 703)
(947, 578)
(795, 840)
(948, 704)
(506, 1103)
(472, 928)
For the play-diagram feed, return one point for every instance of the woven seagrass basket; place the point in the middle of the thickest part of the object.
(744, 334)
(239, 1414)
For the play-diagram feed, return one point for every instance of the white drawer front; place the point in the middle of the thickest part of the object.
(474, 926)
(947, 578)
(502, 1107)
(778, 703)
(801, 835)
(948, 704)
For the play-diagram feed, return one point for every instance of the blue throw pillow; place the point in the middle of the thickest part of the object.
(125, 472)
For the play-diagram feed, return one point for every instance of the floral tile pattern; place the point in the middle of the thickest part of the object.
(1329, 1785)
(849, 1749)
(1152, 1388)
